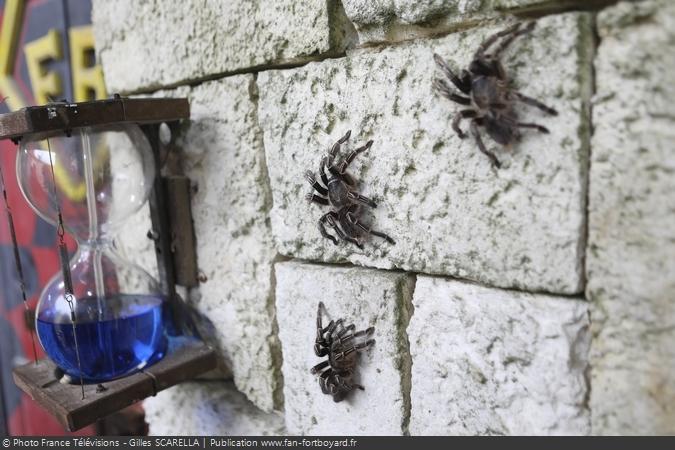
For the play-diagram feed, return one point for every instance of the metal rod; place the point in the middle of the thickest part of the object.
(65, 267)
(161, 227)
(17, 261)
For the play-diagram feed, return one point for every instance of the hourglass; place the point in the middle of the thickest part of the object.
(86, 168)
(110, 318)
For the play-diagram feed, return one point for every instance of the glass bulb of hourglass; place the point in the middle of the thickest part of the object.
(100, 177)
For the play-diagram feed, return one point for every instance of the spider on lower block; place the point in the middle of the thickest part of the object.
(341, 344)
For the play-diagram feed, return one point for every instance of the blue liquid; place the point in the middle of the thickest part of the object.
(128, 336)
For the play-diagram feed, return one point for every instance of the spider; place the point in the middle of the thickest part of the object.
(338, 191)
(341, 344)
(489, 94)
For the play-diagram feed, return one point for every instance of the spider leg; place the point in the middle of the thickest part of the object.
(320, 331)
(346, 329)
(369, 230)
(332, 222)
(463, 83)
(509, 34)
(322, 229)
(336, 147)
(355, 347)
(344, 340)
(493, 38)
(499, 69)
(319, 322)
(352, 155)
(351, 385)
(349, 238)
(481, 145)
(513, 35)
(344, 138)
(367, 332)
(536, 103)
(340, 388)
(463, 114)
(540, 128)
(322, 170)
(316, 199)
(446, 91)
(321, 347)
(309, 176)
(334, 171)
(336, 387)
(330, 326)
(323, 380)
(333, 326)
(355, 196)
(316, 369)
(341, 382)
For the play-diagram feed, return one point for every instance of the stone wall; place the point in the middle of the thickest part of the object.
(538, 298)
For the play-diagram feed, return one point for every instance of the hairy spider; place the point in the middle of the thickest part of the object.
(339, 192)
(341, 344)
(490, 96)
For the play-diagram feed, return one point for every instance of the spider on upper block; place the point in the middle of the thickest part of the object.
(488, 93)
(339, 192)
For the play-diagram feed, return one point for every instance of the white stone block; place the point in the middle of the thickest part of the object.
(397, 20)
(153, 44)
(631, 253)
(448, 209)
(208, 409)
(224, 159)
(366, 298)
(490, 361)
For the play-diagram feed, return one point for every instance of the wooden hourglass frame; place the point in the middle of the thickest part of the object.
(77, 404)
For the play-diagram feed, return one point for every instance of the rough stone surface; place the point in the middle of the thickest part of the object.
(130, 230)
(394, 20)
(365, 297)
(448, 209)
(225, 161)
(208, 409)
(133, 245)
(631, 253)
(489, 361)
(164, 44)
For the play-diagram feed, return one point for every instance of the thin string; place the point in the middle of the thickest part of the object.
(65, 266)
(17, 262)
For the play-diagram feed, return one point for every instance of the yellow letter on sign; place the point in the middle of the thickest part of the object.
(87, 75)
(46, 85)
(9, 40)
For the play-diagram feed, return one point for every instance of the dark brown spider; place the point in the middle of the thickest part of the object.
(491, 98)
(341, 344)
(339, 192)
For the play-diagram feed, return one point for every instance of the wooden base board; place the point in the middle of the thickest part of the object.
(186, 359)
